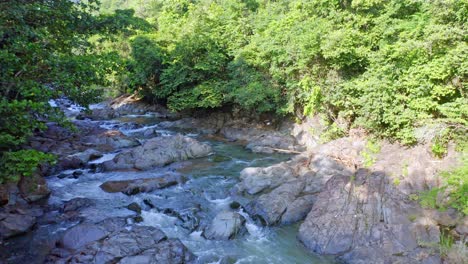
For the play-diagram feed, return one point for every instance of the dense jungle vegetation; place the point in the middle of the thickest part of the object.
(386, 66)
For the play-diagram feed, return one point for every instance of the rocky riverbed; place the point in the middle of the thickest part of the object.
(137, 184)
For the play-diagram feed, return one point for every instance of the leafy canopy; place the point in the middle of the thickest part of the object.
(45, 54)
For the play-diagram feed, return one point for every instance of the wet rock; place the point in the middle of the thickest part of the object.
(138, 219)
(270, 207)
(69, 163)
(12, 224)
(118, 245)
(148, 202)
(189, 213)
(169, 251)
(131, 187)
(234, 205)
(33, 188)
(226, 225)
(159, 152)
(80, 235)
(255, 180)
(76, 204)
(134, 207)
(77, 174)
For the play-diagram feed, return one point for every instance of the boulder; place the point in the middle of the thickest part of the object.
(169, 251)
(134, 207)
(76, 204)
(462, 227)
(159, 152)
(226, 225)
(131, 187)
(255, 180)
(15, 224)
(87, 155)
(187, 210)
(132, 244)
(109, 140)
(80, 235)
(33, 188)
(270, 207)
(69, 163)
(366, 220)
(298, 209)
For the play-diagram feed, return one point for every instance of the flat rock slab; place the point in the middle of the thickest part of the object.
(158, 152)
(15, 224)
(168, 251)
(80, 235)
(131, 187)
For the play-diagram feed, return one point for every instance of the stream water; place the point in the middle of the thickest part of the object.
(208, 189)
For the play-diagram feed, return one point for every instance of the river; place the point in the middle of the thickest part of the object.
(206, 193)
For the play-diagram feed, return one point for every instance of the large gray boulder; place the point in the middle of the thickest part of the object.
(188, 209)
(159, 152)
(226, 225)
(112, 241)
(80, 235)
(365, 220)
(131, 187)
(170, 251)
(15, 224)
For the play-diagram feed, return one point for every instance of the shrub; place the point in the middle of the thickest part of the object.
(22, 163)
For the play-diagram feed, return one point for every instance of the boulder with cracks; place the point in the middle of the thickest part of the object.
(158, 152)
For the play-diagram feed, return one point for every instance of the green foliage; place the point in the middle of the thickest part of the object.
(387, 66)
(22, 163)
(45, 53)
(455, 187)
(369, 153)
(457, 184)
(332, 132)
(445, 242)
(428, 199)
(146, 65)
